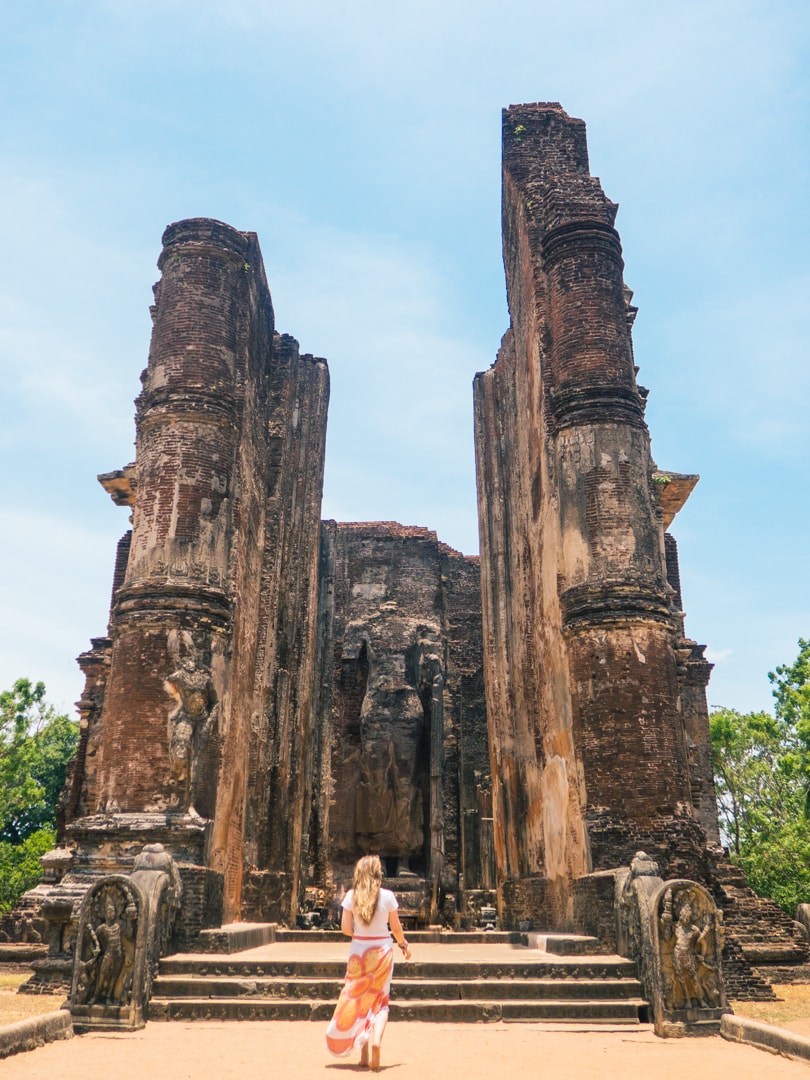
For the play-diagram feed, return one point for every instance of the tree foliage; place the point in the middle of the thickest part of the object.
(762, 773)
(36, 744)
(20, 867)
(791, 688)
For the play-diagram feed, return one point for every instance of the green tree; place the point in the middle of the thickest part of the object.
(20, 867)
(791, 688)
(760, 801)
(36, 744)
(756, 787)
(762, 774)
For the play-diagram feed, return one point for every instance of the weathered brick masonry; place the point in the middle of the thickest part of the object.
(586, 668)
(275, 695)
(402, 711)
(199, 705)
(278, 694)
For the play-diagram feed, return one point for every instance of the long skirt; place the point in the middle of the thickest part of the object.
(364, 996)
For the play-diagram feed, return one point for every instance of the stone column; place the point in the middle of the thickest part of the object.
(617, 618)
(171, 619)
(694, 671)
(589, 755)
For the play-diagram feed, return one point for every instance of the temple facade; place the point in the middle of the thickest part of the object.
(276, 695)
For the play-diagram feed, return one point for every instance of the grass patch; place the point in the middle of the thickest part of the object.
(794, 1006)
(14, 1006)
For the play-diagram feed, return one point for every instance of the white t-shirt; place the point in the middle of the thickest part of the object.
(386, 902)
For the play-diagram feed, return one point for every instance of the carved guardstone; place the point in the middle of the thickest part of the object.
(675, 933)
(124, 926)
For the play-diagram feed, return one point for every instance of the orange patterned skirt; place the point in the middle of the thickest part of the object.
(364, 995)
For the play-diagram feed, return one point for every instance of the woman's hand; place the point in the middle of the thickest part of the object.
(399, 934)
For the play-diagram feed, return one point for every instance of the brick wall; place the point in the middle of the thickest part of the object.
(588, 743)
(221, 570)
(392, 596)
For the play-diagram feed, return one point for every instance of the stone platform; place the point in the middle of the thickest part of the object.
(463, 981)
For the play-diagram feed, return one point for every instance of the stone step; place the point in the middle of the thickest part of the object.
(428, 937)
(501, 980)
(559, 968)
(235, 937)
(762, 952)
(629, 1011)
(562, 944)
(21, 954)
(632, 1011)
(177, 987)
(300, 977)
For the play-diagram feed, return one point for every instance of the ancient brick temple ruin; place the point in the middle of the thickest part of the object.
(277, 695)
(596, 702)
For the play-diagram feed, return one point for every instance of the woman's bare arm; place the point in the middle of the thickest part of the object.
(399, 933)
(347, 922)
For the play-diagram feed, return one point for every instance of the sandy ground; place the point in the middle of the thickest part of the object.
(234, 1051)
(412, 1051)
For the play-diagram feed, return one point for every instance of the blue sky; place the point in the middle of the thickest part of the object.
(361, 141)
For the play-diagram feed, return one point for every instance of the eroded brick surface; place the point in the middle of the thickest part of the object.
(200, 702)
(404, 756)
(591, 690)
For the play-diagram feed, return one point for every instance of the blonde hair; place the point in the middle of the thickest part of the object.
(366, 884)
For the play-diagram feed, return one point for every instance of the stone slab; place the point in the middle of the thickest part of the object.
(764, 1036)
(21, 954)
(235, 937)
(35, 1031)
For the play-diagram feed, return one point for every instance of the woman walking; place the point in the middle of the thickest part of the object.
(362, 1010)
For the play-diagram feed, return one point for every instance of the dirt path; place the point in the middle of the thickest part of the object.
(413, 1051)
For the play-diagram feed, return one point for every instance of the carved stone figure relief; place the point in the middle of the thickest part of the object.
(389, 811)
(189, 724)
(107, 944)
(689, 928)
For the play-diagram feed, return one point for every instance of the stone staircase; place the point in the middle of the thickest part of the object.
(763, 944)
(479, 977)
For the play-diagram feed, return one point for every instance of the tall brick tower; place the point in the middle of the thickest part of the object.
(197, 719)
(585, 661)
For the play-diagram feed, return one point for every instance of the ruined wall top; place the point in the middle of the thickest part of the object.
(383, 529)
(209, 231)
(541, 139)
(545, 152)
